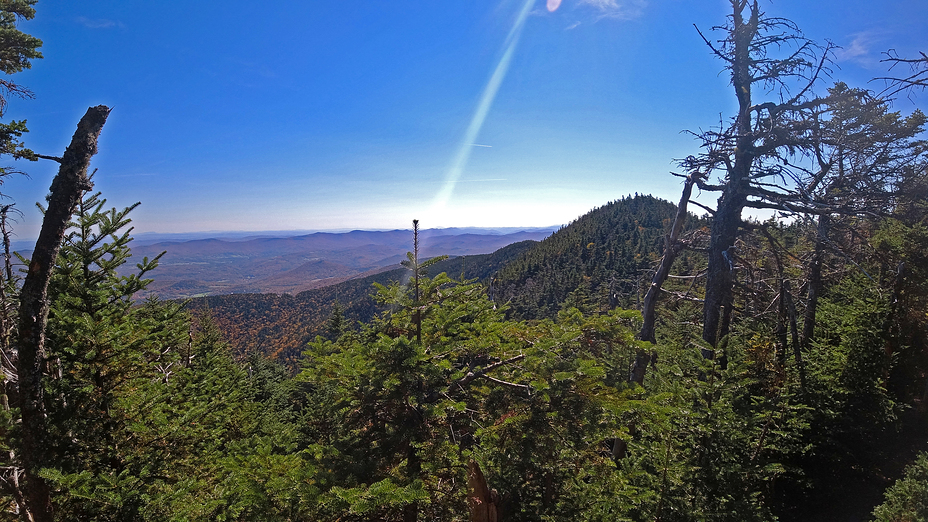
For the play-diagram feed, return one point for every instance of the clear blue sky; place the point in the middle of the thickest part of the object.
(232, 115)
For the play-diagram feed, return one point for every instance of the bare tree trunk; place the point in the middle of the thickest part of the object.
(66, 190)
(720, 273)
(417, 317)
(815, 280)
(727, 220)
(11, 474)
(671, 249)
(782, 330)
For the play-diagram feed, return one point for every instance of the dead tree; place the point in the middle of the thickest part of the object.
(863, 154)
(672, 247)
(771, 53)
(840, 154)
(66, 190)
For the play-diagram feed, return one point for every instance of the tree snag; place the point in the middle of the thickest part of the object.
(66, 190)
(483, 501)
(751, 160)
(672, 247)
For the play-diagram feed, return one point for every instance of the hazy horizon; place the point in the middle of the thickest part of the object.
(145, 238)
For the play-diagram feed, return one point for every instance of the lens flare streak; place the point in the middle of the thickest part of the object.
(459, 161)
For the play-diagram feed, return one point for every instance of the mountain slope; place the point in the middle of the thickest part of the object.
(603, 258)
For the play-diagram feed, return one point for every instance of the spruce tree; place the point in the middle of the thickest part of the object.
(102, 346)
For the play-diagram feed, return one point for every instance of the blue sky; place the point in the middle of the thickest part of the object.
(352, 114)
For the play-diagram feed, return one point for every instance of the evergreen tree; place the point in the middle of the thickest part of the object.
(17, 50)
(103, 347)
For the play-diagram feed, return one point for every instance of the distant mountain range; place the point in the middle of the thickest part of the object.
(271, 293)
(279, 265)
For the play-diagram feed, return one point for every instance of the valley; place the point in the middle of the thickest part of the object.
(289, 265)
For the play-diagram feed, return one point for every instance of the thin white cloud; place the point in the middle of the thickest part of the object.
(572, 26)
(459, 163)
(860, 50)
(457, 181)
(619, 9)
(98, 23)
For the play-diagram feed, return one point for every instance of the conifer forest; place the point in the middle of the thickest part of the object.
(650, 361)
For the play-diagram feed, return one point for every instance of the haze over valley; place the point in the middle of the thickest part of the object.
(298, 263)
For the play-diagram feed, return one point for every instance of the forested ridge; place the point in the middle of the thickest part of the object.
(639, 364)
(602, 255)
